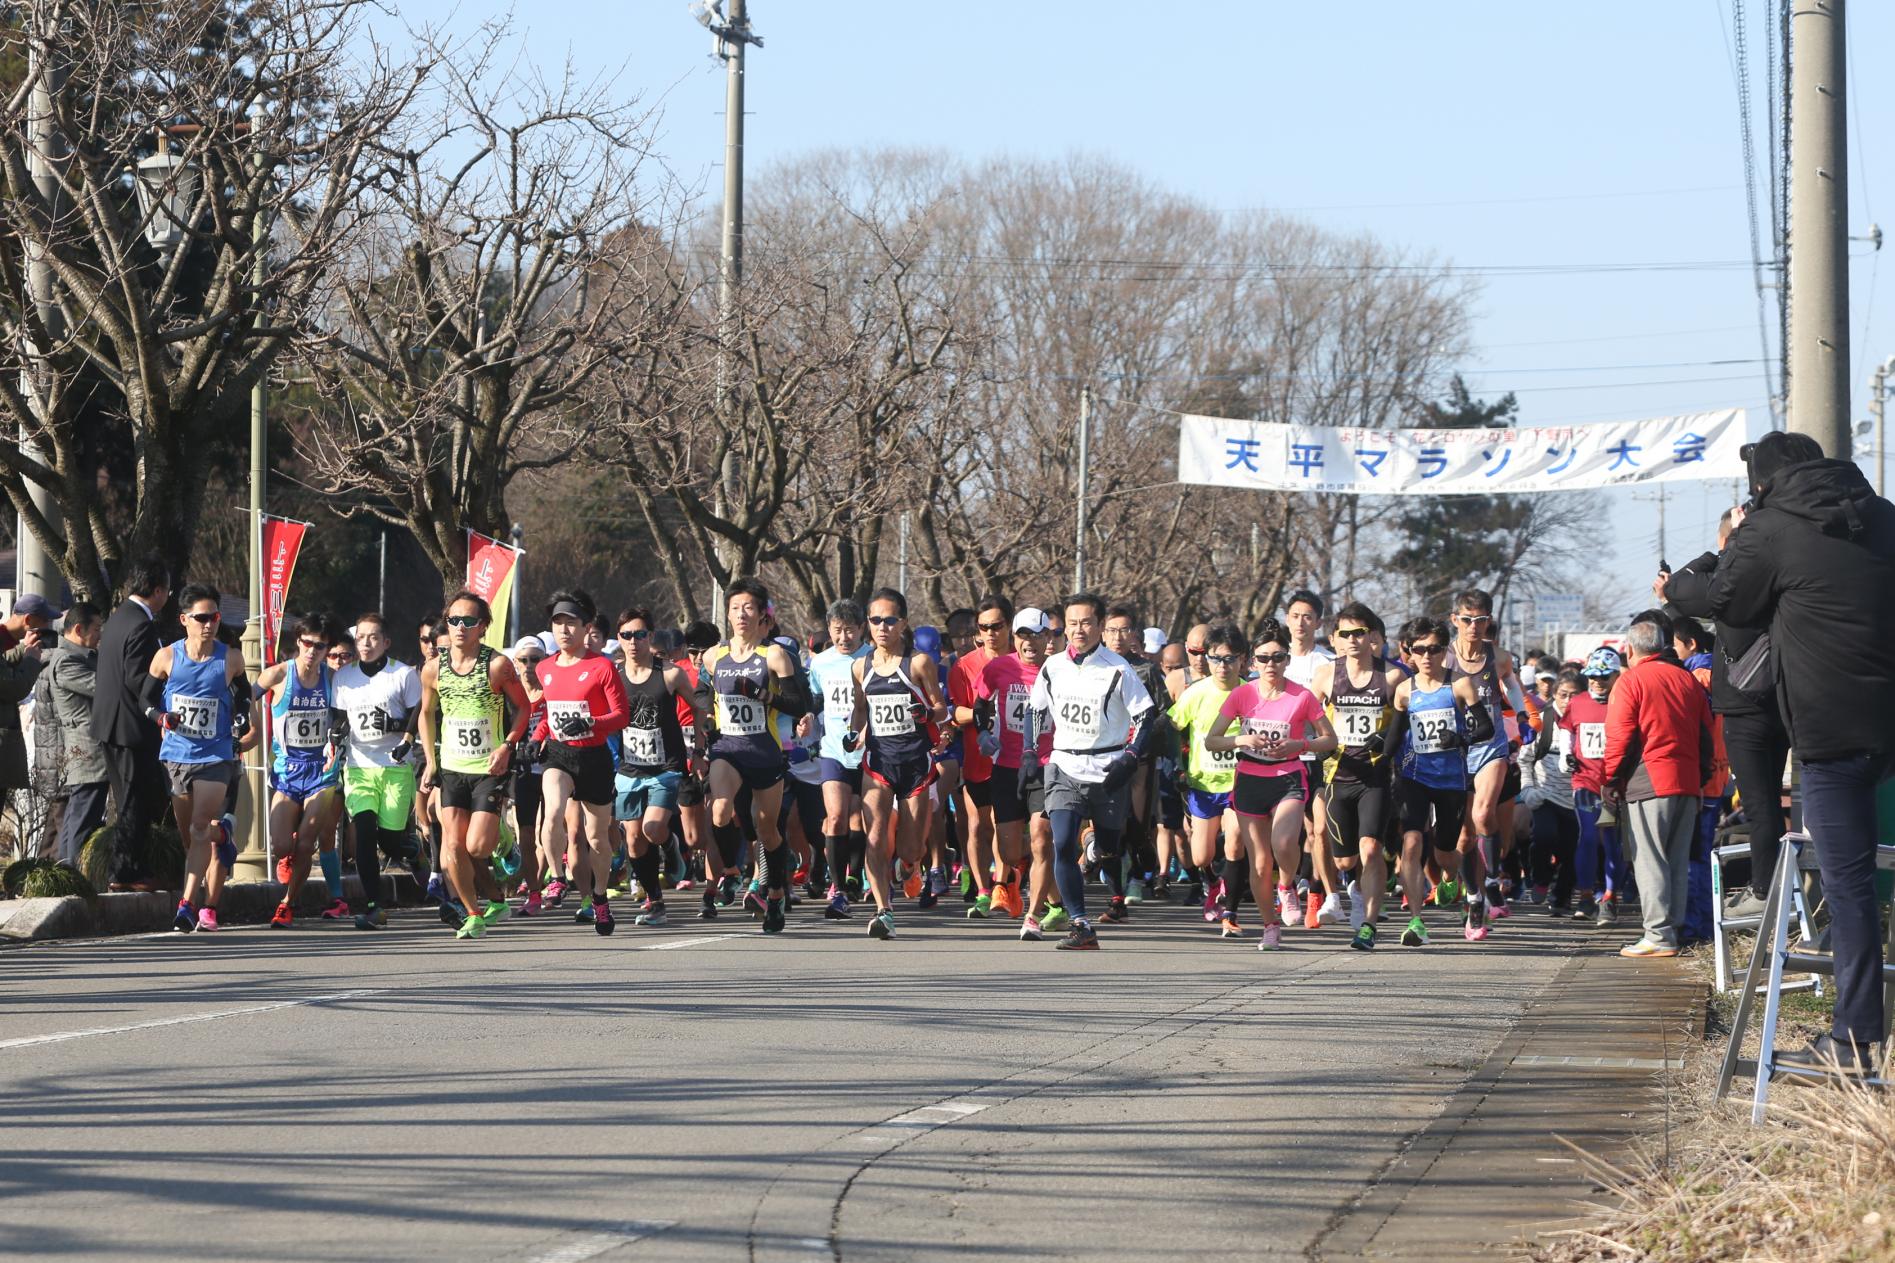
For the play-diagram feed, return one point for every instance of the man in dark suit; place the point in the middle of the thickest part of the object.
(120, 725)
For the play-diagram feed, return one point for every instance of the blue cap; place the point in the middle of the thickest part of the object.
(1604, 660)
(928, 641)
(33, 605)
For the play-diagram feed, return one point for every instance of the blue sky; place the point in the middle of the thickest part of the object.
(1489, 135)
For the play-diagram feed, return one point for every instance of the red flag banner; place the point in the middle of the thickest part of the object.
(490, 574)
(282, 541)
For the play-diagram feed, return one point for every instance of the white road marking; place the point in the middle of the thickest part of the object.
(599, 1242)
(686, 942)
(1601, 1063)
(926, 1118)
(33, 1041)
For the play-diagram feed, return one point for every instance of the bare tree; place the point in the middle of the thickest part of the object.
(507, 257)
(109, 346)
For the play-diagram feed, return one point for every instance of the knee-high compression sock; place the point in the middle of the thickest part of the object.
(1111, 871)
(1236, 886)
(1205, 874)
(1066, 874)
(835, 847)
(776, 868)
(650, 874)
(331, 862)
(1470, 874)
(367, 861)
(1490, 857)
(858, 851)
(730, 843)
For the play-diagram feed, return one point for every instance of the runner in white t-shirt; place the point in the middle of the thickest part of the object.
(382, 699)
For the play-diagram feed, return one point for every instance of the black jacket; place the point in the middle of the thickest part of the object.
(1814, 562)
(129, 644)
(1689, 593)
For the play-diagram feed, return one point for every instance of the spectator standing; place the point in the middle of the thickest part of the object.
(1756, 744)
(63, 717)
(21, 657)
(1813, 562)
(127, 736)
(1657, 755)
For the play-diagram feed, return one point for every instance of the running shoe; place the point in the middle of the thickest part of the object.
(1330, 911)
(1289, 907)
(495, 912)
(852, 887)
(753, 900)
(1416, 935)
(207, 920)
(284, 918)
(1005, 900)
(838, 907)
(1116, 912)
(1496, 900)
(1079, 939)
(583, 914)
(912, 887)
(937, 881)
(437, 887)
(982, 905)
(882, 925)
(1358, 906)
(708, 910)
(472, 927)
(685, 883)
(1030, 930)
(1587, 910)
(1608, 911)
(1474, 926)
(451, 914)
(1136, 891)
(652, 917)
(285, 869)
(1272, 939)
(1055, 920)
(374, 919)
(1446, 894)
(1231, 929)
(928, 896)
(185, 922)
(1647, 947)
(338, 910)
(1364, 940)
(964, 874)
(800, 876)
(602, 917)
(727, 889)
(773, 918)
(1213, 903)
(533, 905)
(555, 892)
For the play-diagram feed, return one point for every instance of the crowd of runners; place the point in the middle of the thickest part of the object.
(1272, 776)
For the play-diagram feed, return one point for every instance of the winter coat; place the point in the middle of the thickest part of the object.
(1814, 563)
(1688, 592)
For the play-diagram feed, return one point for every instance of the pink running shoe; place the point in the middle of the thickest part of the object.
(555, 892)
(338, 910)
(533, 904)
(206, 920)
(1272, 938)
(1213, 903)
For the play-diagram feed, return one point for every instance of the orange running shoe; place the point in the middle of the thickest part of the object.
(285, 866)
(912, 887)
(1312, 918)
(1007, 899)
(284, 918)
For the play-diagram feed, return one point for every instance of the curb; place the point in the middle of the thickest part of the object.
(143, 912)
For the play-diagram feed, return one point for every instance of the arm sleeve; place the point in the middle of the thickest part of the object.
(791, 694)
(1516, 696)
(150, 692)
(1688, 591)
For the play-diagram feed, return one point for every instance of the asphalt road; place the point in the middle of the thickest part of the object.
(704, 1092)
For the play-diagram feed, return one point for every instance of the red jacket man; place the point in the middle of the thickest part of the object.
(1658, 740)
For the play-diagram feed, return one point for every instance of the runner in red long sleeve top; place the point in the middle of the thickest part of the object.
(591, 682)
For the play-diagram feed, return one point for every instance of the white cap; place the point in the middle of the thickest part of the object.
(1031, 620)
(1154, 640)
(529, 644)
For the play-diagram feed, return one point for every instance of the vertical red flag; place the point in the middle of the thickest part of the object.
(490, 575)
(282, 541)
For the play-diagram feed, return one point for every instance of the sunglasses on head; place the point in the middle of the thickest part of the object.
(463, 620)
(634, 633)
(1276, 659)
(884, 620)
(202, 619)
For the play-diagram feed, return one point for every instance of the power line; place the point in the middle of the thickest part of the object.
(1737, 46)
(1479, 201)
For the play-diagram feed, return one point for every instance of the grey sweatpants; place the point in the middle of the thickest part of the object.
(1659, 831)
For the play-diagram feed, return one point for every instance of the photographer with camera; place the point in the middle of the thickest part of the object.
(25, 636)
(1812, 561)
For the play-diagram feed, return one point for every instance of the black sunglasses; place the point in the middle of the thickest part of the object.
(463, 620)
(1352, 632)
(1273, 659)
(202, 619)
(884, 620)
(1430, 648)
(634, 633)
(1222, 659)
(992, 627)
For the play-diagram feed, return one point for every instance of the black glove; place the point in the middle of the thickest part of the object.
(744, 686)
(919, 710)
(1480, 724)
(529, 752)
(1376, 744)
(1567, 763)
(165, 719)
(850, 740)
(1032, 775)
(402, 750)
(338, 728)
(984, 711)
(239, 724)
(380, 722)
(573, 726)
(1120, 769)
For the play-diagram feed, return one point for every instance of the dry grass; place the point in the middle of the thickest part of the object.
(1814, 1184)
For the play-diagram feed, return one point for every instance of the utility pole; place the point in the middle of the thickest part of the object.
(729, 36)
(254, 861)
(36, 572)
(1878, 409)
(1085, 487)
(1819, 227)
(513, 606)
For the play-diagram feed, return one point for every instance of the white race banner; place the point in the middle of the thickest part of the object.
(1270, 456)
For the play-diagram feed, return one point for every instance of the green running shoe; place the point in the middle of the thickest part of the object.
(1364, 940)
(472, 927)
(773, 916)
(1055, 919)
(495, 912)
(1446, 894)
(982, 905)
(1416, 935)
(967, 882)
